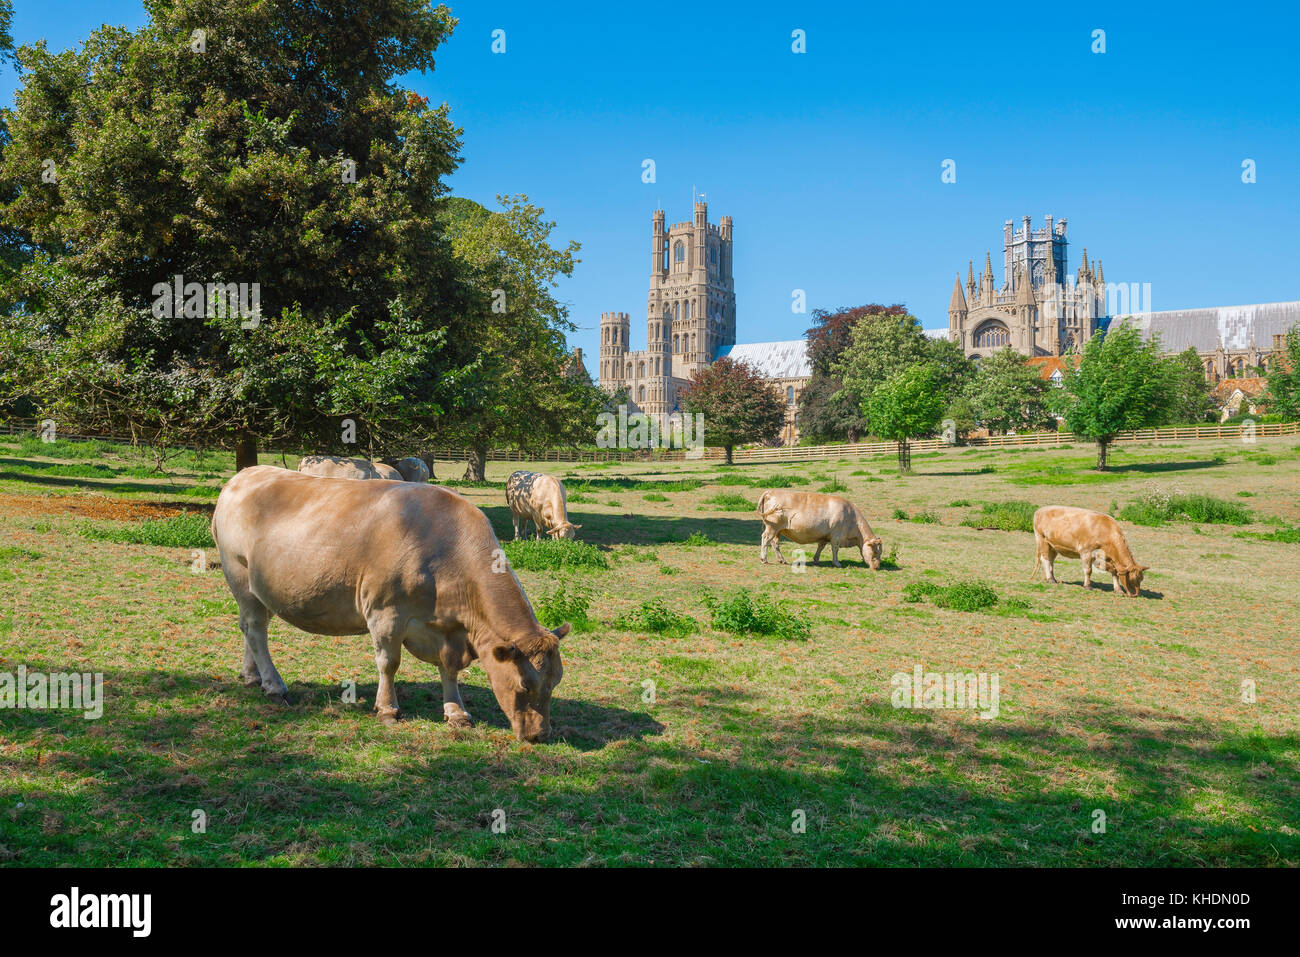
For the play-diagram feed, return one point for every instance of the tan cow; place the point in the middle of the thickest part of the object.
(539, 498)
(807, 517)
(1087, 535)
(387, 472)
(334, 466)
(415, 566)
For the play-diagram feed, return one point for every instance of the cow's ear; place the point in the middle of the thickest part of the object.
(504, 653)
(1143, 568)
(562, 630)
(576, 527)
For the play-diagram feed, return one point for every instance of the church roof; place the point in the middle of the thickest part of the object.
(1203, 328)
(773, 360)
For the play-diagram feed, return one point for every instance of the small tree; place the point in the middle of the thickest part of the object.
(737, 404)
(1191, 397)
(1283, 397)
(1008, 393)
(906, 405)
(1121, 383)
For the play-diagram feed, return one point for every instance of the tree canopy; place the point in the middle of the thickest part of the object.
(737, 404)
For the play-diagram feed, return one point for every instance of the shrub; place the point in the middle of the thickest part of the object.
(730, 502)
(566, 602)
(779, 481)
(900, 515)
(188, 530)
(656, 497)
(834, 485)
(534, 556)
(1004, 516)
(890, 561)
(656, 617)
(697, 538)
(926, 518)
(1287, 535)
(743, 613)
(959, 596)
(1155, 506)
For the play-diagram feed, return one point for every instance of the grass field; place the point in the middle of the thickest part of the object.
(682, 741)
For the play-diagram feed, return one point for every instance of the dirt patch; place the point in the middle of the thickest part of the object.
(89, 506)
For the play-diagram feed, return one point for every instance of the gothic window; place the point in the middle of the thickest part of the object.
(665, 255)
(641, 394)
(629, 370)
(679, 252)
(688, 309)
(992, 335)
(713, 255)
(641, 371)
(789, 395)
(676, 306)
(677, 344)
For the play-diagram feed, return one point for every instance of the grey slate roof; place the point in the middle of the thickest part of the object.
(773, 360)
(1203, 328)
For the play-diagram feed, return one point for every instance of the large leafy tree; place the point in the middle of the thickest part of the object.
(1283, 395)
(1191, 397)
(523, 389)
(266, 144)
(883, 344)
(826, 412)
(1008, 393)
(737, 404)
(1121, 383)
(905, 406)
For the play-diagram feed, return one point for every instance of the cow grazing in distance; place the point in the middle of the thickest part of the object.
(539, 498)
(1089, 536)
(415, 566)
(807, 517)
(335, 466)
(413, 469)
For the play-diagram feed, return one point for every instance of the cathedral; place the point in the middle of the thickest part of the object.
(691, 322)
(1039, 310)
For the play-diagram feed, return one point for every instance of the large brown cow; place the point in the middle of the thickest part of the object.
(416, 566)
(539, 498)
(807, 517)
(1087, 535)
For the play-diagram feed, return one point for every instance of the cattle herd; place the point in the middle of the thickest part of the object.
(417, 566)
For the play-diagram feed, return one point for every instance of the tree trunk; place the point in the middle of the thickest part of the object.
(853, 436)
(904, 457)
(1102, 445)
(476, 467)
(727, 449)
(245, 451)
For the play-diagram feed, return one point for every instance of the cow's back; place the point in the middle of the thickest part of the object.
(322, 552)
(1070, 528)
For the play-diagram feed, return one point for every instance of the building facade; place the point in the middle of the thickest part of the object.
(1039, 309)
(690, 323)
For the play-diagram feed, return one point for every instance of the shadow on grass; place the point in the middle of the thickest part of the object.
(878, 785)
(1158, 467)
(606, 529)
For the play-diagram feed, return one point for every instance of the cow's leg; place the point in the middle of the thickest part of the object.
(763, 545)
(776, 544)
(453, 708)
(817, 555)
(258, 667)
(1087, 569)
(388, 655)
(1048, 558)
(835, 554)
(515, 519)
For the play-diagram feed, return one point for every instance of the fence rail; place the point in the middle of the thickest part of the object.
(797, 453)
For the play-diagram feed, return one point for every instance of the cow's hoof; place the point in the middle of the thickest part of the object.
(251, 681)
(461, 720)
(282, 699)
(390, 718)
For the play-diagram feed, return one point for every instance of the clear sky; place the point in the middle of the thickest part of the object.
(829, 161)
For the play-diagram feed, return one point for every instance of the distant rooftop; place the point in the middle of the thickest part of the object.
(773, 360)
(1202, 329)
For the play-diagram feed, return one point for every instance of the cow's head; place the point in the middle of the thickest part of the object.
(1130, 578)
(871, 552)
(565, 530)
(523, 673)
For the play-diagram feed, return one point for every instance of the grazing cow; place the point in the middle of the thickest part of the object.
(1087, 535)
(387, 472)
(807, 517)
(334, 466)
(539, 498)
(416, 566)
(413, 469)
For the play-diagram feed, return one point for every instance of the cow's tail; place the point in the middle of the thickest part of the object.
(1038, 555)
(762, 500)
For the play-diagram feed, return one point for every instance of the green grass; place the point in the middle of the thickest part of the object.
(730, 502)
(654, 616)
(190, 530)
(531, 555)
(959, 596)
(567, 601)
(1156, 509)
(744, 613)
(1004, 516)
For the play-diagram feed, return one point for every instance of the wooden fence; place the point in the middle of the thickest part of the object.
(797, 453)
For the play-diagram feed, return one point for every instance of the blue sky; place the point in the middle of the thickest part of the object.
(830, 161)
